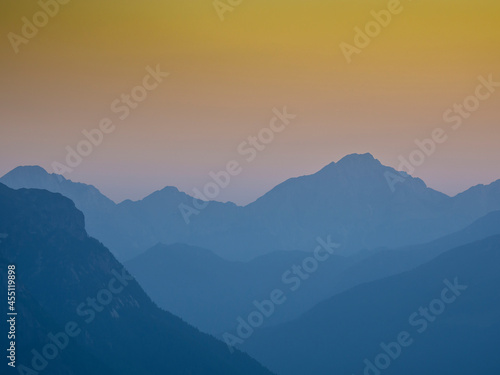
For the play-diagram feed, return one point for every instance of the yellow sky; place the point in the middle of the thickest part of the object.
(226, 77)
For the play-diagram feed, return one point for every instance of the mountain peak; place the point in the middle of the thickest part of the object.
(28, 170)
(170, 189)
(86, 197)
(31, 176)
(166, 192)
(358, 158)
(354, 161)
(56, 210)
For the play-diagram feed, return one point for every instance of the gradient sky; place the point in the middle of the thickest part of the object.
(226, 77)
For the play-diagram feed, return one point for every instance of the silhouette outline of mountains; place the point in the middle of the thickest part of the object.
(211, 292)
(337, 335)
(58, 267)
(349, 200)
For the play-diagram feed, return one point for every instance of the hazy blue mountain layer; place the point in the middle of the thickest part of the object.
(358, 201)
(444, 317)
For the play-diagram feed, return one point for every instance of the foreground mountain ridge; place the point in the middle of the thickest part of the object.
(66, 276)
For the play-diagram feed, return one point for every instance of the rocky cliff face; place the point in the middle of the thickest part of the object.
(74, 278)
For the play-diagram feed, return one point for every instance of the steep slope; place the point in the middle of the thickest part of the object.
(478, 200)
(457, 334)
(74, 278)
(33, 325)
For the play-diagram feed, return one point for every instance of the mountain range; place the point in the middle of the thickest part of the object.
(211, 292)
(351, 201)
(406, 273)
(442, 317)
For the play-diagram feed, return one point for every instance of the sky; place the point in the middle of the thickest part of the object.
(229, 72)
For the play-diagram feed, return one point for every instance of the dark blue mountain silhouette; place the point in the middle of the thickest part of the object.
(59, 267)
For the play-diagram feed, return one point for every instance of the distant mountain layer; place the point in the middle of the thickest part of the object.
(73, 292)
(354, 200)
(440, 318)
(211, 293)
